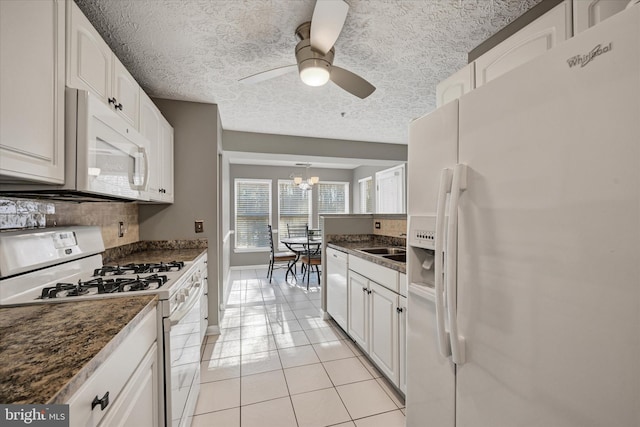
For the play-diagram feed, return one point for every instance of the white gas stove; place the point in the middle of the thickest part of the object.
(49, 266)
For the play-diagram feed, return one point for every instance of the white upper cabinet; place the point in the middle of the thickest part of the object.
(541, 35)
(155, 128)
(453, 87)
(91, 65)
(587, 13)
(126, 92)
(32, 52)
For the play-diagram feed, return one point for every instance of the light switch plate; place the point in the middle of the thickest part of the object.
(199, 226)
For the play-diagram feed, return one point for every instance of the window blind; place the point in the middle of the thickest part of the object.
(294, 206)
(333, 198)
(253, 213)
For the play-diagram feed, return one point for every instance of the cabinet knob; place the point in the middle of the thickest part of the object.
(399, 309)
(104, 402)
(112, 101)
(369, 291)
(364, 289)
(118, 107)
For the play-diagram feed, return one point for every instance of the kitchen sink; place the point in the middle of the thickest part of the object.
(384, 251)
(396, 257)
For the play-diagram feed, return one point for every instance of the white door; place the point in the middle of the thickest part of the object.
(549, 239)
(150, 128)
(456, 85)
(358, 313)
(587, 13)
(383, 330)
(402, 344)
(433, 145)
(167, 160)
(390, 190)
(430, 376)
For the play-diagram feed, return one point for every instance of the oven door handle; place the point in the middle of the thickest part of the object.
(177, 316)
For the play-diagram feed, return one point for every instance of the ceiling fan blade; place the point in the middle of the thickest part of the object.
(326, 24)
(352, 83)
(269, 74)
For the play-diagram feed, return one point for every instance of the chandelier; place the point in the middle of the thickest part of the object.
(307, 182)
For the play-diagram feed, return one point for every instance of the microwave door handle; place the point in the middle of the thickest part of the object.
(146, 167)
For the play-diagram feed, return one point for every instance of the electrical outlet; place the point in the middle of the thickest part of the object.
(199, 226)
(377, 225)
(120, 229)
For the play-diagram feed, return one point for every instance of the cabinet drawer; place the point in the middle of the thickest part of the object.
(382, 275)
(113, 374)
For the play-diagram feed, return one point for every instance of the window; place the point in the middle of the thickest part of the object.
(366, 195)
(333, 198)
(253, 213)
(390, 190)
(294, 206)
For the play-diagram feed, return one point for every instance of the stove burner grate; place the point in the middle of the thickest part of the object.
(99, 285)
(118, 270)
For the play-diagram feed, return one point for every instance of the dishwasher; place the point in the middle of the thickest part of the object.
(336, 271)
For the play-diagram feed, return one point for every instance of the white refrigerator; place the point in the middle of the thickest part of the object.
(534, 183)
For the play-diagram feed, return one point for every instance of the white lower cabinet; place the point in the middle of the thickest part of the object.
(383, 335)
(124, 389)
(377, 318)
(137, 404)
(358, 314)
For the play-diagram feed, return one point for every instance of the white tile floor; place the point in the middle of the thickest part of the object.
(276, 363)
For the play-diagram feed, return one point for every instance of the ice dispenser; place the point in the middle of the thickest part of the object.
(420, 248)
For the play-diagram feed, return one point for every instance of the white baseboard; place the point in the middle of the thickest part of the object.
(248, 267)
(213, 330)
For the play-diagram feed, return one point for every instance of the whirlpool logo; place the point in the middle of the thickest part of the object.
(583, 60)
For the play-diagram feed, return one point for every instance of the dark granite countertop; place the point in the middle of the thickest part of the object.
(49, 350)
(154, 251)
(351, 243)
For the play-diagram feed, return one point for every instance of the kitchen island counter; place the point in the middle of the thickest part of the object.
(49, 350)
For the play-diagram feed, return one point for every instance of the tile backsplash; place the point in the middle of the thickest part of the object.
(24, 213)
(390, 227)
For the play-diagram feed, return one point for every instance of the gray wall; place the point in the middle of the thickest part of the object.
(274, 173)
(196, 146)
(295, 145)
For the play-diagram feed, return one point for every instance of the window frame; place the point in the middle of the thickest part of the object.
(362, 200)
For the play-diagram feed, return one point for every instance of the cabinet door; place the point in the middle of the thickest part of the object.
(587, 13)
(150, 128)
(32, 90)
(167, 161)
(88, 56)
(383, 330)
(538, 37)
(126, 92)
(402, 344)
(456, 85)
(137, 405)
(359, 309)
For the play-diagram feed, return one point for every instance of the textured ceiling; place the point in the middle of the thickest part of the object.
(197, 50)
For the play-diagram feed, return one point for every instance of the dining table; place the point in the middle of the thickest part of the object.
(298, 245)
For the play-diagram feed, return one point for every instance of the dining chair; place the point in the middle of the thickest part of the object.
(278, 257)
(312, 257)
(297, 230)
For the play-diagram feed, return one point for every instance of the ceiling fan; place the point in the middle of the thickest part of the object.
(315, 52)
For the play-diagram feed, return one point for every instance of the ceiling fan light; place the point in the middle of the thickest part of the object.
(314, 76)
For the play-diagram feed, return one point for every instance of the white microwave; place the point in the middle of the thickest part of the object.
(105, 158)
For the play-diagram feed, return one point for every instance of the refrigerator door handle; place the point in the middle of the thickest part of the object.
(443, 188)
(458, 185)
